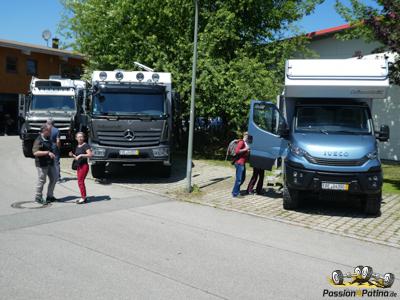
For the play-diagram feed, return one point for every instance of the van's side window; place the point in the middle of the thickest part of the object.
(267, 117)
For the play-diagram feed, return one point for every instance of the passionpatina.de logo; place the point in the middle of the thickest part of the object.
(362, 282)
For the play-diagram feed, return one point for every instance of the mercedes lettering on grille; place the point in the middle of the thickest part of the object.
(129, 135)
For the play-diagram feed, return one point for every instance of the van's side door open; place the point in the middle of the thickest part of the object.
(266, 127)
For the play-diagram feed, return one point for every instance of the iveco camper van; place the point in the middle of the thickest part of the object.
(324, 131)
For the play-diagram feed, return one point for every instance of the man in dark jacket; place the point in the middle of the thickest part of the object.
(43, 151)
(55, 139)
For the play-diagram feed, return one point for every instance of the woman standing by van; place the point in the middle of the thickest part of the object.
(81, 154)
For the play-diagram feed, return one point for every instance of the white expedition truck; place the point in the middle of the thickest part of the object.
(130, 120)
(56, 98)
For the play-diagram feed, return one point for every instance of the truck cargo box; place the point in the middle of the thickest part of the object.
(336, 78)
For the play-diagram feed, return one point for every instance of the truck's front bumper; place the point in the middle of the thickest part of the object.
(309, 180)
(154, 154)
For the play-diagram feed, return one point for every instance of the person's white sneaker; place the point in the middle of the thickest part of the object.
(80, 201)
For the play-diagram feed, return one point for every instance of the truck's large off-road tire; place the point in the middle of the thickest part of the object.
(291, 198)
(165, 172)
(372, 204)
(98, 171)
(27, 148)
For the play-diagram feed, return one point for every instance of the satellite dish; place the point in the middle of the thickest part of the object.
(46, 35)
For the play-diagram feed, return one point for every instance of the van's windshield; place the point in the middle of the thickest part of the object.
(333, 119)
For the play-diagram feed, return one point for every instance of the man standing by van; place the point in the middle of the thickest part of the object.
(242, 152)
(55, 139)
(44, 160)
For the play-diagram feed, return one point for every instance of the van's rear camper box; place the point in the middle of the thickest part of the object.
(336, 78)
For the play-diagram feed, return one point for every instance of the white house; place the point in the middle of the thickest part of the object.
(387, 111)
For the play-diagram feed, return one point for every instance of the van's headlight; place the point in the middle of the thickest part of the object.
(297, 150)
(100, 152)
(159, 152)
(372, 155)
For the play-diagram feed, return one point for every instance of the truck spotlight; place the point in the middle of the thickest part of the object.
(119, 76)
(139, 76)
(155, 77)
(103, 76)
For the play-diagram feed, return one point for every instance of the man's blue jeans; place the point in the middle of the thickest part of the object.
(240, 177)
(57, 164)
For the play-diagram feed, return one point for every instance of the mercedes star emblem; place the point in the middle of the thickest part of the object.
(129, 135)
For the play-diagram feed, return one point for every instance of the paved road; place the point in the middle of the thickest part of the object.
(129, 244)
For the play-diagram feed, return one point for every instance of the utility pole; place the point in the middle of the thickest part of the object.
(192, 106)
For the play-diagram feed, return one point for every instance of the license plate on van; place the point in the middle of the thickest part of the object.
(63, 137)
(335, 186)
(128, 152)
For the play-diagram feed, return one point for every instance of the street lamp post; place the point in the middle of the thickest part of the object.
(193, 93)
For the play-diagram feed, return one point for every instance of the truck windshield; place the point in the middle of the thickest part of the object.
(52, 102)
(128, 104)
(333, 119)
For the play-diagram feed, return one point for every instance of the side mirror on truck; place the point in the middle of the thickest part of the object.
(176, 103)
(383, 134)
(283, 130)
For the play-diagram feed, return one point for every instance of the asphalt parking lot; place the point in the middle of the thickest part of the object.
(214, 184)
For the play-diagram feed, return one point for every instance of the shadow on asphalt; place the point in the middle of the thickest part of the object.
(144, 174)
(334, 207)
(214, 181)
(89, 199)
(66, 179)
(272, 193)
(98, 198)
(67, 199)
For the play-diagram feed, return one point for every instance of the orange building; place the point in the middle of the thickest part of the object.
(18, 63)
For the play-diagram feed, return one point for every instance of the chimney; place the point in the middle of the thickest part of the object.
(54, 43)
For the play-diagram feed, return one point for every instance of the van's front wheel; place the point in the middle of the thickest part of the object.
(291, 198)
(372, 204)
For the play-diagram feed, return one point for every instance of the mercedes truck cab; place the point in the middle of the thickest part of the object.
(130, 120)
(323, 129)
(57, 98)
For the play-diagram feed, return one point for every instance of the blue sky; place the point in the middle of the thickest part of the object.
(25, 20)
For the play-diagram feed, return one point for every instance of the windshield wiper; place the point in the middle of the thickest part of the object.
(146, 116)
(348, 132)
(324, 131)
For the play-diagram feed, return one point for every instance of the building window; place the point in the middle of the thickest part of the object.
(11, 64)
(70, 71)
(31, 67)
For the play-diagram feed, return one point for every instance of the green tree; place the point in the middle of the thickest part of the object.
(381, 24)
(242, 45)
